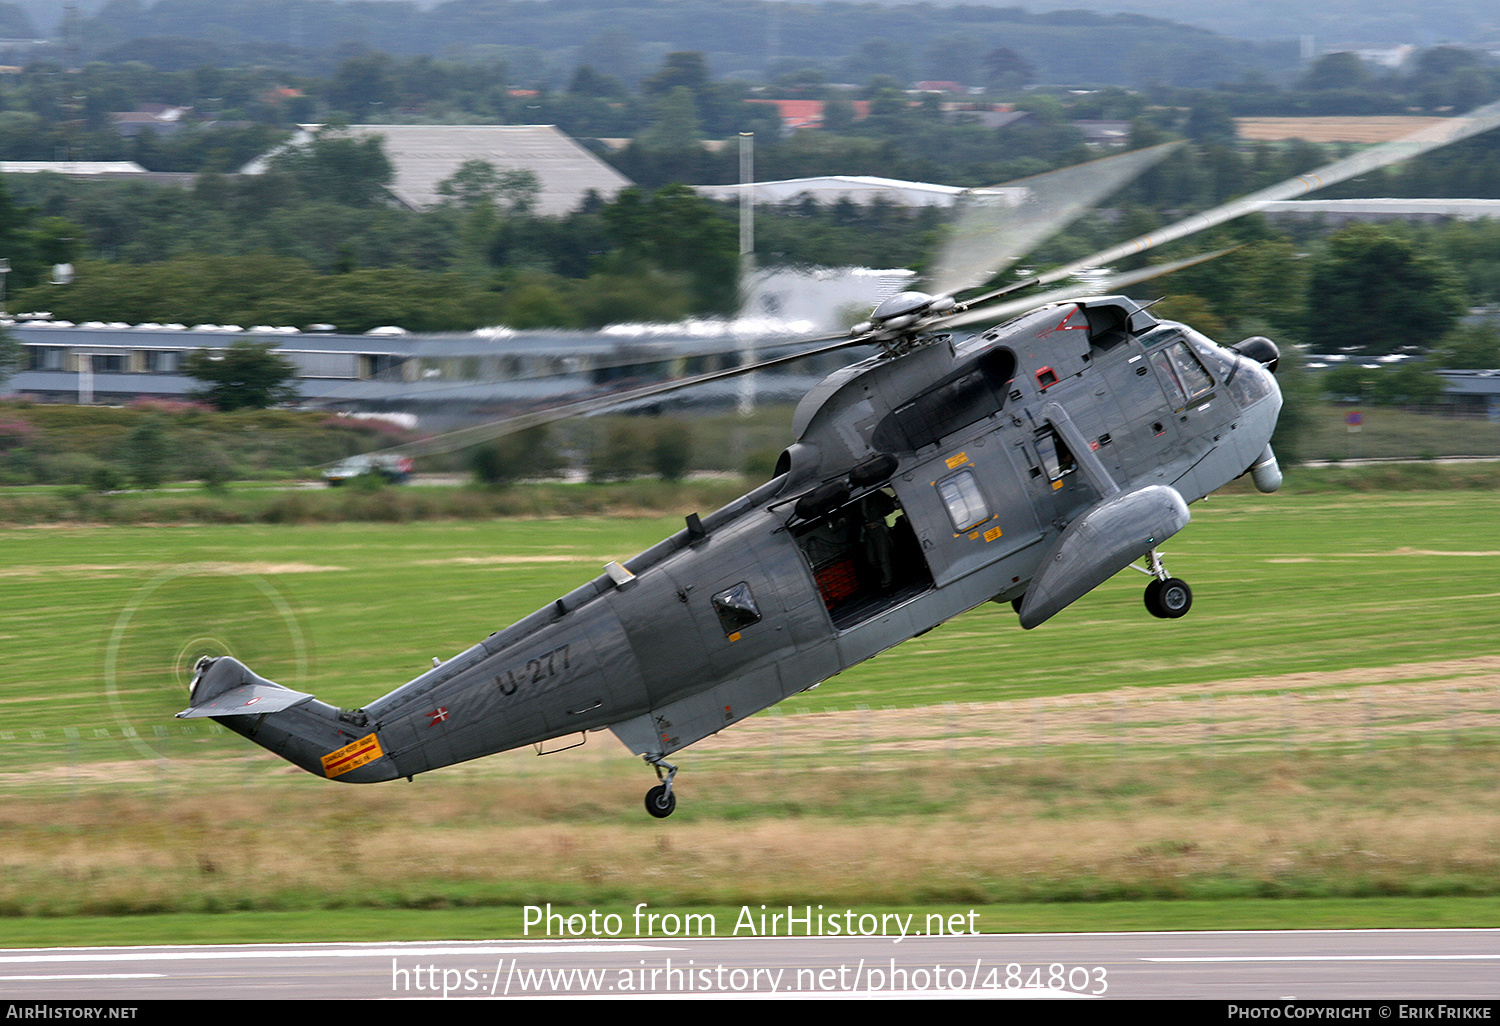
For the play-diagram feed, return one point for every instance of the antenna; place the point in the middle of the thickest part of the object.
(70, 36)
(747, 260)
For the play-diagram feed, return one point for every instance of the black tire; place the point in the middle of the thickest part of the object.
(1169, 599)
(660, 803)
(1153, 598)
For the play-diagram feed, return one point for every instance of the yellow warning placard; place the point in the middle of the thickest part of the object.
(352, 756)
(958, 460)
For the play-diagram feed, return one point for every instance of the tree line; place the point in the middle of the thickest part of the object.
(315, 241)
(623, 38)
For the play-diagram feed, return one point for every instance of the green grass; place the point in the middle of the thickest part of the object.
(1389, 433)
(1312, 595)
(373, 925)
(1283, 585)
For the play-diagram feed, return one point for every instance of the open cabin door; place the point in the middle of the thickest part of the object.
(864, 555)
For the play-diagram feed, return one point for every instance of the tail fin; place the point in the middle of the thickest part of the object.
(322, 739)
(226, 687)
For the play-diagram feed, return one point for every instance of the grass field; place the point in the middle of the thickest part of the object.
(1369, 129)
(1322, 725)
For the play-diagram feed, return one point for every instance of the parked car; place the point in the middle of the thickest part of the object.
(395, 469)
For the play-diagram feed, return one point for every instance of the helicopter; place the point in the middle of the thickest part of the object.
(1025, 464)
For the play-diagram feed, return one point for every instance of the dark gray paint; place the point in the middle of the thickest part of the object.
(648, 656)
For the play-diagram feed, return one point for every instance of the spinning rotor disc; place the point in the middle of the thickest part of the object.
(180, 616)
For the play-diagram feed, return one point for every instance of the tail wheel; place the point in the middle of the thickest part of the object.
(1168, 599)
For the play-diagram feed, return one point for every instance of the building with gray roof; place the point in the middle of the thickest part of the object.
(1386, 208)
(447, 378)
(424, 156)
(860, 189)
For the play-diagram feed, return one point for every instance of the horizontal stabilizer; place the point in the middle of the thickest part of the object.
(250, 700)
(1107, 538)
(226, 687)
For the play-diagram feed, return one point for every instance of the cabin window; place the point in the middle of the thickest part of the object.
(736, 608)
(961, 495)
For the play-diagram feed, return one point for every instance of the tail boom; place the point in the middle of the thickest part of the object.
(322, 739)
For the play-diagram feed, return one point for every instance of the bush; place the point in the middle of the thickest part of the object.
(671, 451)
(620, 456)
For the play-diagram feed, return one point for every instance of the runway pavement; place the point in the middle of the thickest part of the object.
(1376, 969)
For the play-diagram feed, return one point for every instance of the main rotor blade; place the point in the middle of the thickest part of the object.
(1415, 144)
(998, 226)
(1124, 279)
(465, 437)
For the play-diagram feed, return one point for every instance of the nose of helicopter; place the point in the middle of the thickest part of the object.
(1264, 356)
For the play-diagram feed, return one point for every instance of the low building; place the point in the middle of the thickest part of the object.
(1340, 211)
(447, 378)
(1476, 392)
(73, 168)
(799, 114)
(160, 119)
(860, 189)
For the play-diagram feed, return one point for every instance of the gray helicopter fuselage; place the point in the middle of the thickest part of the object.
(920, 486)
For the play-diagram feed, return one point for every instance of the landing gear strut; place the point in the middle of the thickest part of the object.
(660, 801)
(1167, 598)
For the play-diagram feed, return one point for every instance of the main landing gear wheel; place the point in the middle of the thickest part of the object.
(660, 802)
(1168, 599)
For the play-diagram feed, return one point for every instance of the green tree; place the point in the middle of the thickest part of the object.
(478, 183)
(1194, 311)
(1469, 347)
(1412, 382)
(248, 374)
(1209, 119)
(528, 453)
(683, 68)
(838, 114)
(677, 232)
(671, 451)
(1336, 71)
(10, 355)
(353, 171)
(620, 455)
(677, 125)
(147, 451)
(1377, 293)
(1007, 69)
(365, 86)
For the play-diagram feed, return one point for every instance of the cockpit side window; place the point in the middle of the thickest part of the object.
(1057, 460)
(1181, 367)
